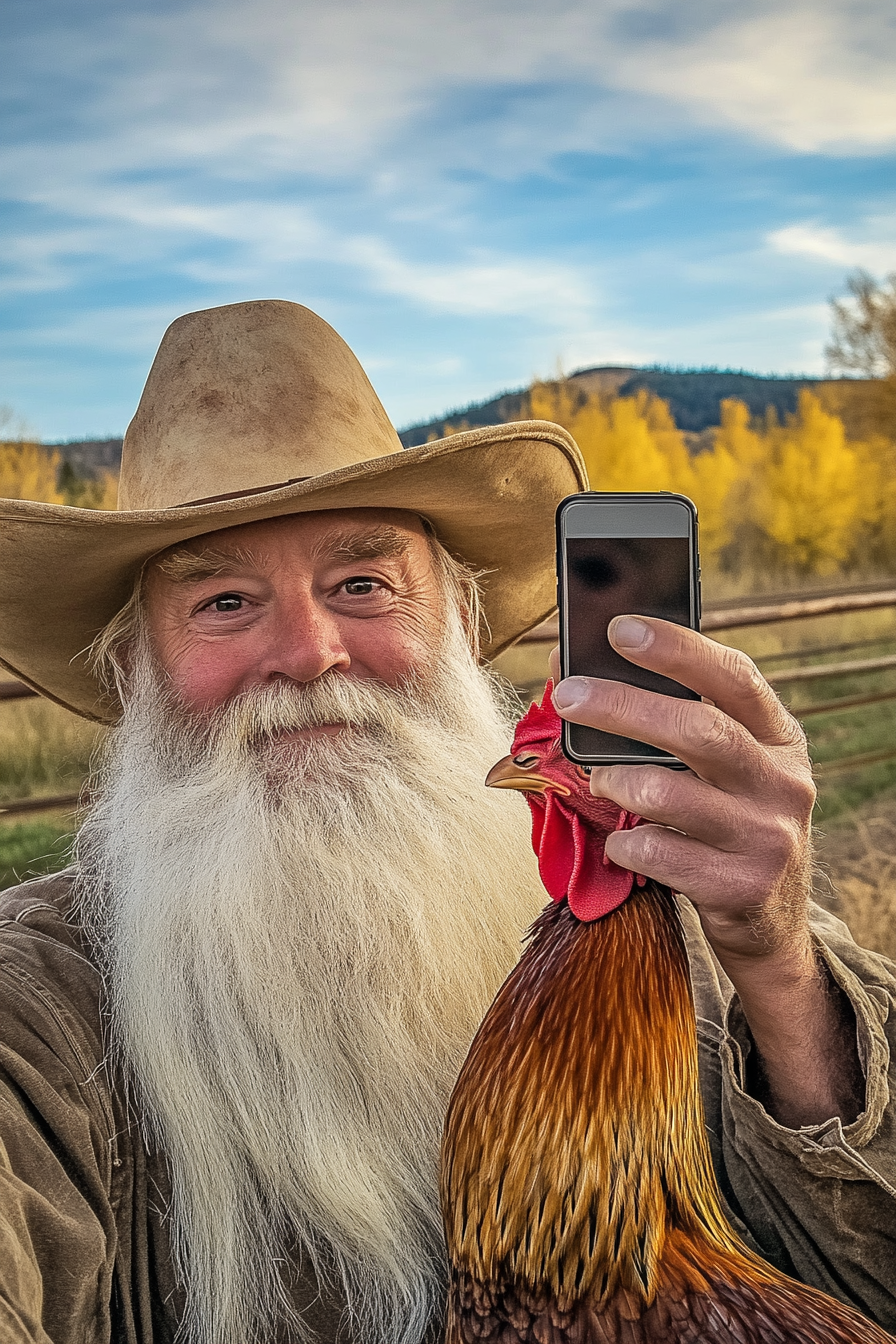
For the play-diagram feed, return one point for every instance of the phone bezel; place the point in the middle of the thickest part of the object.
(623, 499)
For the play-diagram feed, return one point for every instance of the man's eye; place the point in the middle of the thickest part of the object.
(227, 602)
(360, 587)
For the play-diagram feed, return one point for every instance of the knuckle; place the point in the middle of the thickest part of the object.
(795, 732)
(712, 732)
(805, 793)
(648, 842)
(618, 700)
(654, 792)
(793, 789)
(744, 672)
(781, 845)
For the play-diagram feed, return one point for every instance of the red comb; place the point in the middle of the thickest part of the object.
(540, 723)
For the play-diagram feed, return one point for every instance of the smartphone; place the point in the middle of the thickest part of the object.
(618, 554)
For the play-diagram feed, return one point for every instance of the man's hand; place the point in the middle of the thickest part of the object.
(733, 834)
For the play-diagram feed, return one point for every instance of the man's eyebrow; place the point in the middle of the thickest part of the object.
(382, 543)
(194, 566)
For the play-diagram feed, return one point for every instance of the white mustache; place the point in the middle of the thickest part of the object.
(264, 712)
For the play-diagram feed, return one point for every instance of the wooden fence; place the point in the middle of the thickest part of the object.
(717, 617)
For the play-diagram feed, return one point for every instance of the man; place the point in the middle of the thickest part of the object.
(231, 1028)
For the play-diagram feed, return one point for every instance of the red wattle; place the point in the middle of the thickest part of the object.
(572, 862)
(556, 848)
(570, 840)
(598, 884)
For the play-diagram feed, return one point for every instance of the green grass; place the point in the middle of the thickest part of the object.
(838, 798)
(34, 847)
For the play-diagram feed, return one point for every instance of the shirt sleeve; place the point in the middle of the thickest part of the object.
(820, 1201)
(57, 1236)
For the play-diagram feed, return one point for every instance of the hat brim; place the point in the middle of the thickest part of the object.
(489, 493)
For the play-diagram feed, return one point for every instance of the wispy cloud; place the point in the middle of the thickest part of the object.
(541, 290)
(807, 76)
(875, 252)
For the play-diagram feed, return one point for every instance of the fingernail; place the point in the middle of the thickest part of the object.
(571, 692)
(626, 632)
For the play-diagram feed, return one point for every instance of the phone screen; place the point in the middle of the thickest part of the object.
(612, 576)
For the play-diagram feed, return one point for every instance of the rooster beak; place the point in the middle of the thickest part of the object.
(508, 775)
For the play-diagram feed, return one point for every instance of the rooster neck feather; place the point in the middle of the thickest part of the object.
(579, 1196)
(579, 1105)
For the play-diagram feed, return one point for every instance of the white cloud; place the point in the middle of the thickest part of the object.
(804, 74)
(546, 291)
(263, 235)
(875, 253)
(186, 120)
(807, 76)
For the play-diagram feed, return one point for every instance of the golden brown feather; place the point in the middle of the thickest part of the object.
(579, 1195)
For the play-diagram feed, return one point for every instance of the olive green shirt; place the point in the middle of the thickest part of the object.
(84, 1245)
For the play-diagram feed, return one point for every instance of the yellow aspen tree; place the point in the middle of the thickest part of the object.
(33, 471)
(876, 502)
(106, 491)
(619, 449)
(808, 497)
(794, 497)
(628, 443)
(724, 487)
(29, 471)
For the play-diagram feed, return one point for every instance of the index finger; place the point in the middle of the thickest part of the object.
(727, 677)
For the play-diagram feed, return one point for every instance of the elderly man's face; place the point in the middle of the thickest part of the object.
(292, 598)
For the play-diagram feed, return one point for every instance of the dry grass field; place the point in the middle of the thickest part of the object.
(857, 857)
(43, 749)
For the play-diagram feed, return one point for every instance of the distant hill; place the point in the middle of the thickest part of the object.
(693, 397)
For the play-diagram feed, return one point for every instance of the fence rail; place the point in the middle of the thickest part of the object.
(716, 617)
(827, 671)
(786, 608)
(62, 802)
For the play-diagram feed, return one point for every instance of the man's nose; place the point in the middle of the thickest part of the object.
(306, 641)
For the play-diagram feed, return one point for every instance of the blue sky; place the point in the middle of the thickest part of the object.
(472, 192)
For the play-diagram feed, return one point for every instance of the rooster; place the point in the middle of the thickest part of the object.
(578, 1192)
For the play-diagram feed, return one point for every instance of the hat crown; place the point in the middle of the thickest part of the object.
(244, 398)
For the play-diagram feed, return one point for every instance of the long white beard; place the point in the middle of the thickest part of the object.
(300, 942)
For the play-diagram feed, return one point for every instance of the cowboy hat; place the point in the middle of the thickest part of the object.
(252, 411)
